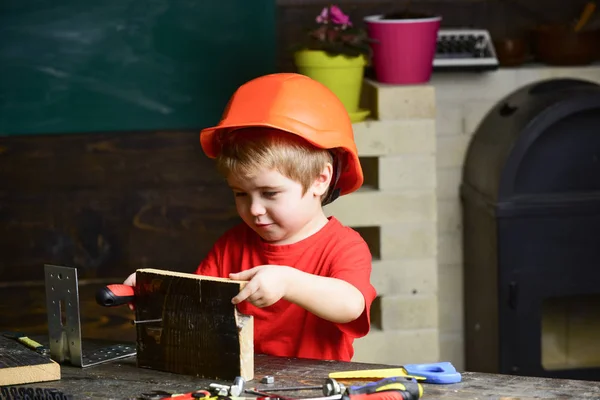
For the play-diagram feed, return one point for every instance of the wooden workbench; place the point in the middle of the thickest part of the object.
(123, 380)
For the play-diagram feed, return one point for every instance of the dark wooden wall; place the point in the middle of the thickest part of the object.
(106, 204)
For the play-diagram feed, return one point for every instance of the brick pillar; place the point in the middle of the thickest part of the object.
(396, 212)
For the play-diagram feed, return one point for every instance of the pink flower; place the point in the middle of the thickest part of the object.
(323, 17)
(338, 17)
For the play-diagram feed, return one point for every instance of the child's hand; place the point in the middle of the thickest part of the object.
(131, 282)
(267, 284)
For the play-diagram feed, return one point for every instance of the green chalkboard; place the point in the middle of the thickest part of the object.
(73, 66)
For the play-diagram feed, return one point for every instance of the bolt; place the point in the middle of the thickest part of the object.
(333, 387)
(237, 388)
(221, 390)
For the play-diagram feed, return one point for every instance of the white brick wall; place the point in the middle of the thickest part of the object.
(402, 277)
(378, 207)
(403, 210)
(462, 100)
(392, 102)
(399, 347)
(401, 137)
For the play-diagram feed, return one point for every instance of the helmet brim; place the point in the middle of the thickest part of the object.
(351, 178)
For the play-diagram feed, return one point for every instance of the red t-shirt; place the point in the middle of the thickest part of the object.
(285, 329)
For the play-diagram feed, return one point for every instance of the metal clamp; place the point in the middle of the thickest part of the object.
(64, 325)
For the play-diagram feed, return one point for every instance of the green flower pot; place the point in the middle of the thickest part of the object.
(342, 75)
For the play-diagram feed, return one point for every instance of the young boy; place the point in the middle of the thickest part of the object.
(286, 148)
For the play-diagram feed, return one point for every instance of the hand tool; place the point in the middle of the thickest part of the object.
(408, 387)
(32, 344)
(587, 12)
(401, 383)
(275, 396)
(330, 387)
(441, 373)
(235, 390)
(383, 395)
(216, 392)
(115, 295)
(392, 394)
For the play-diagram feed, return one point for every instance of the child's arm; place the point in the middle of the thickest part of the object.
(332, 299)
(329, 298)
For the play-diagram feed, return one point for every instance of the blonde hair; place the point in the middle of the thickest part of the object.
(245, 152)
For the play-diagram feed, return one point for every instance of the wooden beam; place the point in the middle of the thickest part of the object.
(198, 330)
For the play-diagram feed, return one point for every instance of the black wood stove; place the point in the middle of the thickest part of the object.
(531, 221)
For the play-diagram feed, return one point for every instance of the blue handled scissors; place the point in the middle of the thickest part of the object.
(441, 372)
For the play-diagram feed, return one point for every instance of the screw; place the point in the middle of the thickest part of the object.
(147, 321)
(331, 387)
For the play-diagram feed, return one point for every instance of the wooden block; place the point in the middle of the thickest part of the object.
(20, 364)
(200, 332)
(390, 102)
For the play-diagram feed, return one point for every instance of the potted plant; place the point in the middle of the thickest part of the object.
(404, 46)
(335, 53)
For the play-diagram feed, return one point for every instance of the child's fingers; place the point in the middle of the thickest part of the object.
(130, 280)
(244, 275)
(246, 292)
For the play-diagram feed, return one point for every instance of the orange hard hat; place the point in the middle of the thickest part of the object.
(296, 104)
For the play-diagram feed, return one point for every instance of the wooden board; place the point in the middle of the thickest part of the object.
(19, 364)
(200, 331)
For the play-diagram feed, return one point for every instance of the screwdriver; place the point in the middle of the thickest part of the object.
(32, 344)
(383, 395)
(392, 394)
(404, 384)
(407, 387)
(115, 295)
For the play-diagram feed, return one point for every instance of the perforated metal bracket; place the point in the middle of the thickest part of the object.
(64, 324)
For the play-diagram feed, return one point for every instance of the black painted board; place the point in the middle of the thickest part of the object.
(197, 333)
(20, 364)
(127, 65)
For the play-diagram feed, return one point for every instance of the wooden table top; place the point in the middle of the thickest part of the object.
(122, 379)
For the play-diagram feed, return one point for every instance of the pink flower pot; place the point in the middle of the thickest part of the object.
(404, 49)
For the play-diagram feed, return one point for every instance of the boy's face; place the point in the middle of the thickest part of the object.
(275, 208)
